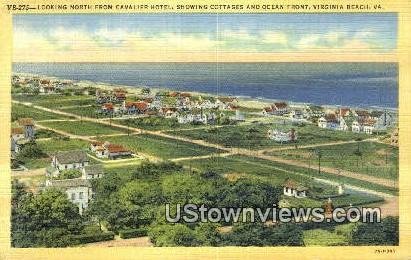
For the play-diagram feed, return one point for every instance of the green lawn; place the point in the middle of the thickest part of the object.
(159, 146)
(155, 123)
(20, 111)
(254, 136)
(83, 128)
(375, 159)
(57, 144)
(87, 111)
(55, 100)
(321, 237)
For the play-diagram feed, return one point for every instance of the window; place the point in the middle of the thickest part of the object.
(65, 166)
(73, 196)
(81, 195)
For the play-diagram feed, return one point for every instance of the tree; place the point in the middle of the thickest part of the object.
(173, 235)
(207, 234)
(383, 233)
(40, 219)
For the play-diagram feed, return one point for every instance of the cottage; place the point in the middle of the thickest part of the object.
(361, 114)
(135, 107)
(169, 112)
(46, 89)
(343, 112)
(78, 191)
(293, 189)
(297, 114)
(67, 160)
(28, 127)
(282, 137)
(278, 108)
(108, 150)
(366, 126)
(226, 102)
(331, 121)
(107, 108)
(92, 172)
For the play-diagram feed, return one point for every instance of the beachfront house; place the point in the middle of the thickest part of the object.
(331, 121)
(226, 103)
(293, 189)
(67, 160)
(367, 126)
(361, 114)
(278, 108)
(78, 191)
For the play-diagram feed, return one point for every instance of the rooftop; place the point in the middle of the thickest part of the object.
(72, 157)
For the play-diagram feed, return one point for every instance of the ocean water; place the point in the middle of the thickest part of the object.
(347, 84)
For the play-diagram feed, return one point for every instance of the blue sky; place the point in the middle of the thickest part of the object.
(194, 33)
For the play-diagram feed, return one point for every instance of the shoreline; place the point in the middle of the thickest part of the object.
(246, 101)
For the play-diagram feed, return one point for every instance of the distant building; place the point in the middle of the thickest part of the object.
(282, 137)
(67, 160)
(293, 189)
(278, 108)
(78, 191)
(331, 121)
(92, 172)
(109, 150)
(366, 126)
(28, 127)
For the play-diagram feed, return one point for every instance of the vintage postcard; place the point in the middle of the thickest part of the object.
(233, 129)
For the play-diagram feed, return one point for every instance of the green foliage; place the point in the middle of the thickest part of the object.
(257, 234)
(91, 238)
(173, 235)
(69, 174)
(32, 151)
(49, 216)
(130, 233)
(384, 233)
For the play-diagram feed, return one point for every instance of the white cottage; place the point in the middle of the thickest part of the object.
(78, 191)
(292, 189)
(67, 160)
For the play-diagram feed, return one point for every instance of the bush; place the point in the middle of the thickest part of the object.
(90, 238)
(130, 233)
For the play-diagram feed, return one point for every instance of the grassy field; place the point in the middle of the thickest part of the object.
(87, 111)
(56, 101)
(276, 172)
(57, 144)
(160, 147)
(321, 237)
(83, 128)
(254, 136)
(375, 159)
(20, 111)
(155, 123)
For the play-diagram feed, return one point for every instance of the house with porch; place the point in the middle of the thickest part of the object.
(282, 137)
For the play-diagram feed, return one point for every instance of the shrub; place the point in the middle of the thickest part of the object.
(90, 238)
(130, 233)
